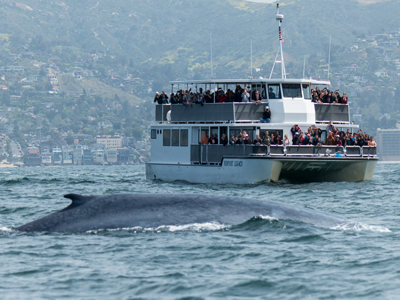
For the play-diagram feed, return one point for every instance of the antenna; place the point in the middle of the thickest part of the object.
(329, 59)
(251, 58)
(211, 55)
(279, 18)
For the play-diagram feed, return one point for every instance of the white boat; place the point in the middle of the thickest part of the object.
(176, 152)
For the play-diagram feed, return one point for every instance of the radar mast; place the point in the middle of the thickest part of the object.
(279, 18)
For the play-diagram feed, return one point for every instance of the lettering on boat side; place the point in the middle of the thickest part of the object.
(233, 163)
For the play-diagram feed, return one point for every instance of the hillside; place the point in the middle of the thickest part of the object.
(68, 67)
(172, 31)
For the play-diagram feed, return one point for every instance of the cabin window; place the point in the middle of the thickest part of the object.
(306, 91)
(291, 90)
(153, 134)
(274, 91)
(175, 137)
(167, 137)
(261, 90)
(184, 137)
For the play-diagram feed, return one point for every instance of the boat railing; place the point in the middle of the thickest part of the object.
(239, 112)
(213, 154)
(332, 112)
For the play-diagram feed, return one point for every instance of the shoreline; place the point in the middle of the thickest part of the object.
(7, 166)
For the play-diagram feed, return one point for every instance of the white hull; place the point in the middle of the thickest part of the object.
(256, 170)
(237, 171)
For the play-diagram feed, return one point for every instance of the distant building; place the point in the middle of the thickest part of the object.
(87, 157)
(104, 125)
(77, 155)
(112, 156)
(32, 157)
(115, 142)
(388, 144)
(52, 79)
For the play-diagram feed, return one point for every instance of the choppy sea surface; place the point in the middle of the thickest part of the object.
(262, 258)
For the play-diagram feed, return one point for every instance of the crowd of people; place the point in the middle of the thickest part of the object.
(310, 137)
(187, 97)
(327, 96)
(335, 137)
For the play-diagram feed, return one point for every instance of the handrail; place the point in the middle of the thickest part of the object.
(214, 153)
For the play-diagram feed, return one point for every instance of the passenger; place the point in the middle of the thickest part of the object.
(286, 141)
(307, 140)
(296, 139)
(330, 140)
(326, 97)
(338, 142)
(245, 96)
(247, 141)
(238, 94)
(221, 98)
(207, 97)
(277, 138)
(258, 140)
(224, 140)
(256, 98)
(157, 98)
(164, 97)
(266, 115)
(213, 139)
(344, 99)
(233, 140)
(205, 138)
(230, 96)
(198, 99)
(301, 137)
(272, 139)
(172, 98)
(329, 127)
(266, 139)
(240, 139)
(186, 98)
(271, 94)
(317, 141)
(294, 129)
(371, 142)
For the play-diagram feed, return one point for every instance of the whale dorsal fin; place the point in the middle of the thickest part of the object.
(77, 200)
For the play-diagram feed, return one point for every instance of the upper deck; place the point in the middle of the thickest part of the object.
(288, 99)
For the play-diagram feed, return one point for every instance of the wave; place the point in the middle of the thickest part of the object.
(5, 230)
(360, 227)
(195, 227)
(26, 180)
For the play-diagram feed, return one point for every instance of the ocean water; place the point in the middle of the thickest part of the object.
(263, 258)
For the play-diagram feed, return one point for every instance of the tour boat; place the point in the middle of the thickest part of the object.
(177, 154)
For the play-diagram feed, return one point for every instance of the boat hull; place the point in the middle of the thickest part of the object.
(232, 170)
(252, 170)
(330, 170)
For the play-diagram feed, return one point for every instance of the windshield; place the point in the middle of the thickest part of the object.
(291, 90)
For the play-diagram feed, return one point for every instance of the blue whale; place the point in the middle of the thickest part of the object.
(153, 210)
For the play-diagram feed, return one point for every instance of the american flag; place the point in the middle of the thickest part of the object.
(280, 35)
